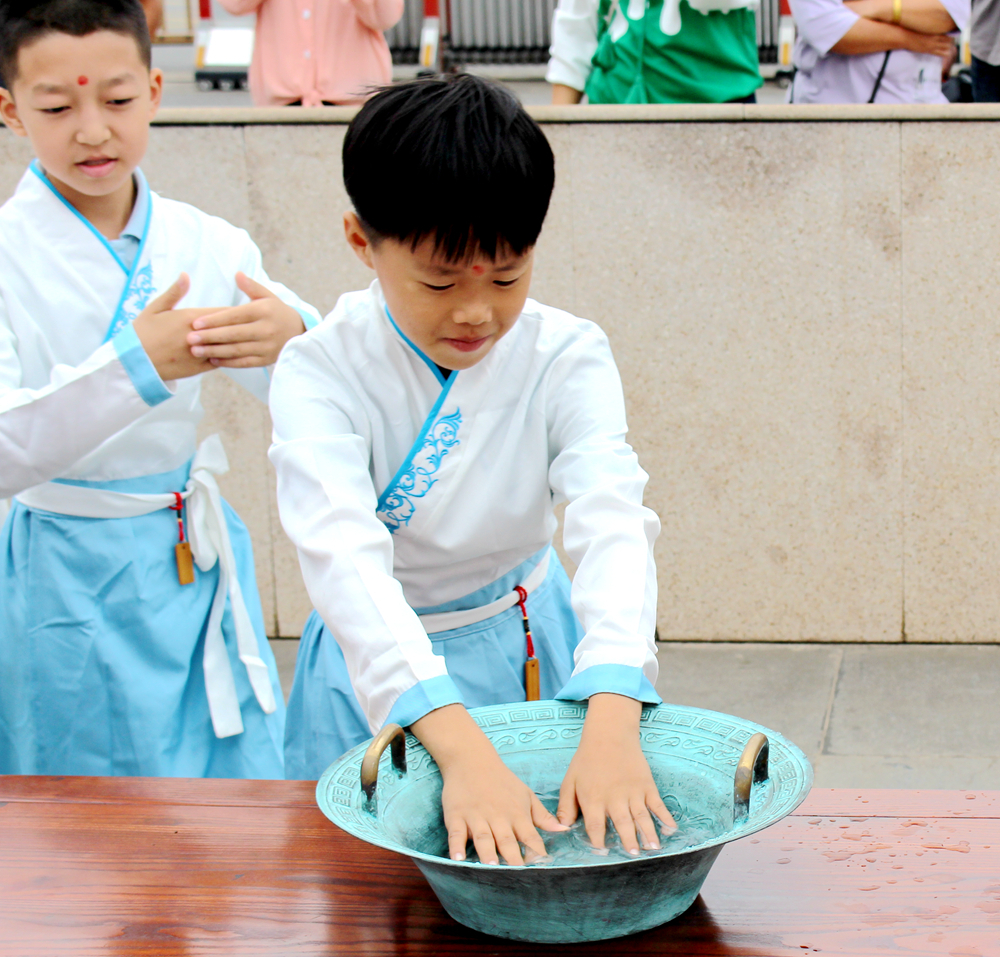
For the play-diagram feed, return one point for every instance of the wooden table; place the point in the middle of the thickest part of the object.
(140, 867)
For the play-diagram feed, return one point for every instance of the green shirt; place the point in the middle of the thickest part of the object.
(712, 59)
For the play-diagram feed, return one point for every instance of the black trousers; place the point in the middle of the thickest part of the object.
(985, 82)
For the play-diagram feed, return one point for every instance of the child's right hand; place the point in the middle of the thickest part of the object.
(163, 332)
(482, 798)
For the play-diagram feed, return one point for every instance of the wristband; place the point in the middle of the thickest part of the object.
(897, 11)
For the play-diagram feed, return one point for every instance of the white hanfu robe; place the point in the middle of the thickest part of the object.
(825, 77)
(415, 499)
(107, 664)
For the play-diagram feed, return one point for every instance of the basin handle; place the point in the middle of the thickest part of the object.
(391, 734)
(752, 768)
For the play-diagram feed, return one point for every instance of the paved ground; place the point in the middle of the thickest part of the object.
(906, 716)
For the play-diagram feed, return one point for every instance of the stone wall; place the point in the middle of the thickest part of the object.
(803, 311)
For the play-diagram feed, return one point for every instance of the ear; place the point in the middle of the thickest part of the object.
(8, 112)
(357, 239)
(155, 90)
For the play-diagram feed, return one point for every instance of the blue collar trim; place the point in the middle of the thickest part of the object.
(142, 204)
(418, 443)
(430, 363)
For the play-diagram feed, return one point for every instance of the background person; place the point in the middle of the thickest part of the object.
(882, 51)
(654, 51)
(315, 52)
(985, 44)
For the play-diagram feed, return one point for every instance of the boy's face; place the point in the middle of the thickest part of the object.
(454, 312)
(85, 103)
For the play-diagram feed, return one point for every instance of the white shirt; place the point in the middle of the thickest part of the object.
(825, 77)
(77, 400)
(368, 437)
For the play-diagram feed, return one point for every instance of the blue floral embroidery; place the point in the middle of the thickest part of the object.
(399, 505)
(136, 299)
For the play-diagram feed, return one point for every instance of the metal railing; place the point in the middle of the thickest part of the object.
(767, 31)
(519, 31)
(482, 31)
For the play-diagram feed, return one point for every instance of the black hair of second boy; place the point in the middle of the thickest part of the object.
(454, 159)
(24, 21)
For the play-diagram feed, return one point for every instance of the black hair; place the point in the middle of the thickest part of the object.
(456, 159)
(24, 21)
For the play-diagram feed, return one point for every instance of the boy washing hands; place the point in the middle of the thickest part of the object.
(117, 655)
(422, 435)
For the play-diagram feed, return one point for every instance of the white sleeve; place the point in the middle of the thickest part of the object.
(960, 11)
(44, 431)
(822, 23)
(607, 531)
(574, 42)
(258, 380)
(327, 504)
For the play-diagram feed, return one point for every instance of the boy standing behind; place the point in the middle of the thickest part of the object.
(116, 655)
(422, 436)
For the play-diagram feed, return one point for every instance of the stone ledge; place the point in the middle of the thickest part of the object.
(633, 113)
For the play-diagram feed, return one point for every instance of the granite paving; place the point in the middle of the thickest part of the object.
(867, 716)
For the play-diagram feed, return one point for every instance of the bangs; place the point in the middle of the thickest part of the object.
(24, 21)
(455, 160)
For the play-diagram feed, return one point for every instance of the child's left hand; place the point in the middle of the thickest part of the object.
(249, 335)
(609, 777)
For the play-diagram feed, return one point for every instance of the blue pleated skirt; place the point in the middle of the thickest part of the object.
(101, 650)
(485, 660)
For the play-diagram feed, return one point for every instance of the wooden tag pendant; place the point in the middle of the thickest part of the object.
(185, 563)
(532, 686)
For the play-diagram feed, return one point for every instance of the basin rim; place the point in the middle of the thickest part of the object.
(778, 743)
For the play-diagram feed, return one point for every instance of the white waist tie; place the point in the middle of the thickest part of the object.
(446, 620)
(210, 543)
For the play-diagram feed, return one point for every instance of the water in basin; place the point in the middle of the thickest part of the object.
(702, 808)
(573, 847)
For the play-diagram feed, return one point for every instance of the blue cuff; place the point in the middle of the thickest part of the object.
(308, 319)
(140, 370)
(423, 698)
(617, 679)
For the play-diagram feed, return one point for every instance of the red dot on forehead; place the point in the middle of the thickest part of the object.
(82, 80)
(478, 270)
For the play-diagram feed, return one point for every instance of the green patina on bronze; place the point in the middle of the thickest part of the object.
(712, 59)
(695, 757)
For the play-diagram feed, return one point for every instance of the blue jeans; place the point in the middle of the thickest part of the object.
(985, 81)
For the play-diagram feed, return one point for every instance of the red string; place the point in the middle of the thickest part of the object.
(522, 597)
(177, 507)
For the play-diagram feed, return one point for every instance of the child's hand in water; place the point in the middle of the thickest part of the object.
(609, 777)
(249, 335)
(482, 798)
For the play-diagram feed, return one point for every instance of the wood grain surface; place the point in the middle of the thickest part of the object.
(150, 868)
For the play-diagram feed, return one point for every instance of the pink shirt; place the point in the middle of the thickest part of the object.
(316, 50)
